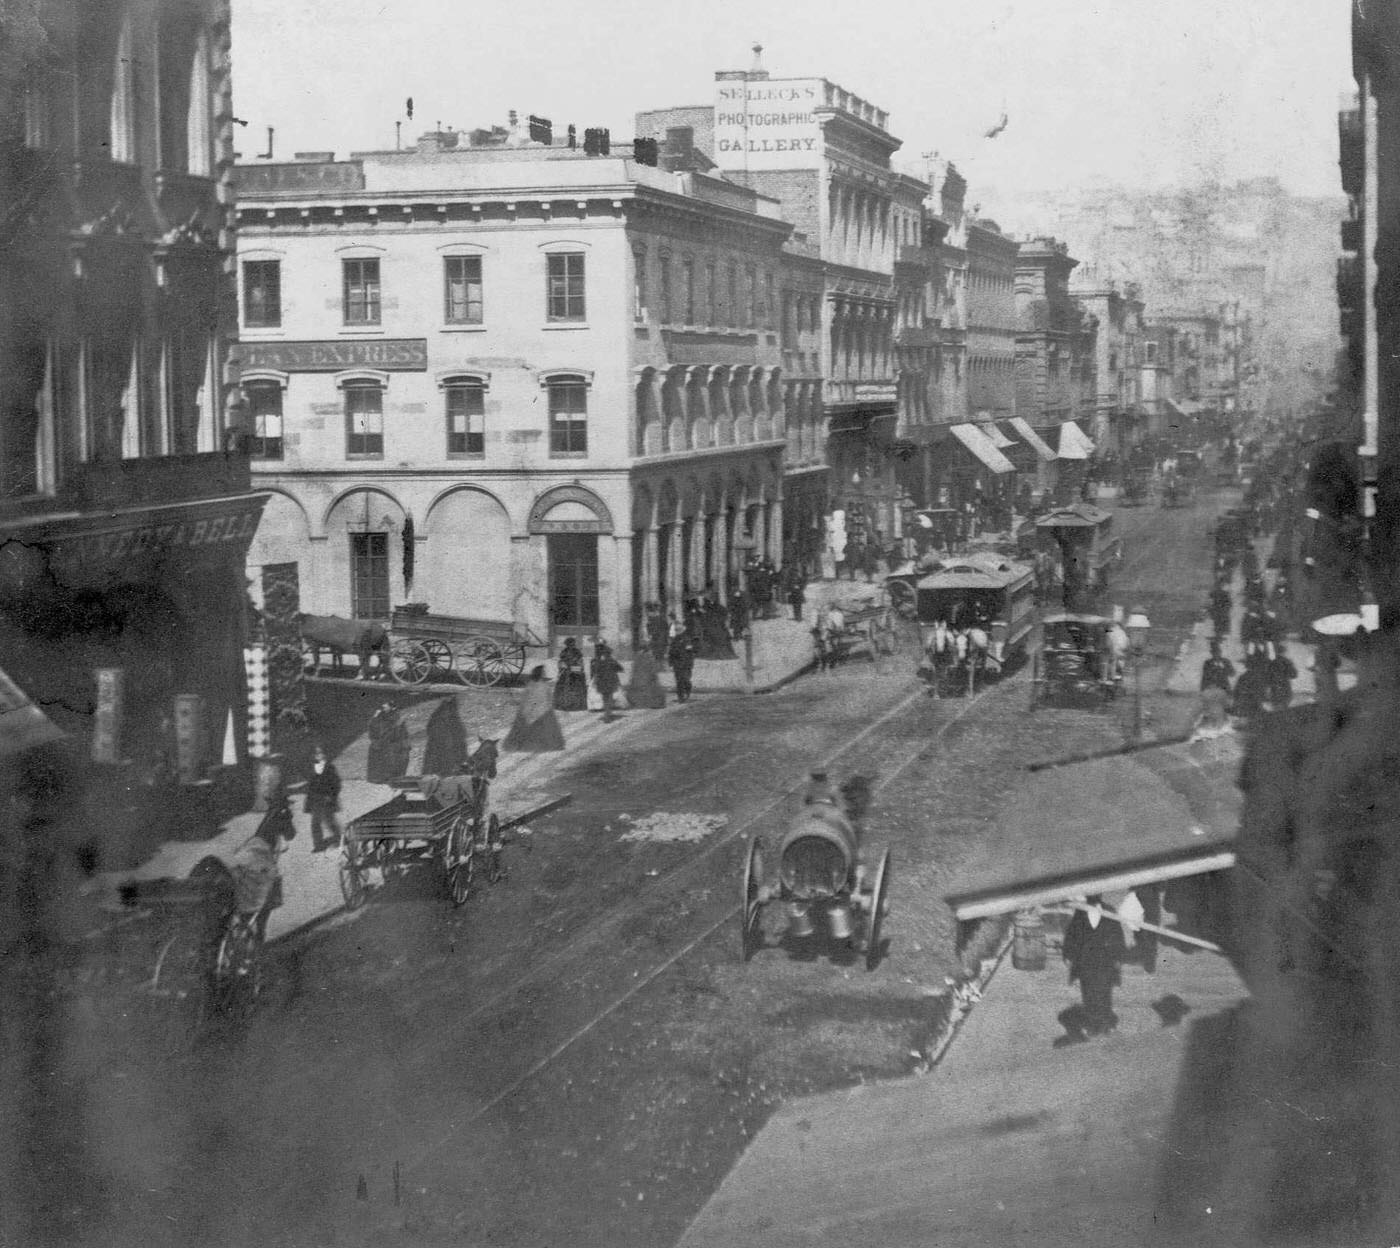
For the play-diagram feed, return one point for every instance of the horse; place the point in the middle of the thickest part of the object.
(940, 655)
(1118, 645)
(339, 635)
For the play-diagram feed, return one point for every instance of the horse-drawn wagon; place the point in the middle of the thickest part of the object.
(476, 652)
(1080, 659)
(867, 622)
(446, 825)
(821, 875)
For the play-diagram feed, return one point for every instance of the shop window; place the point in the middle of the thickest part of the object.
(462, 290)
(565, 287)
(364, 421)
(262, 294)
(361, 291)
(573, 581)
(369, 576)
(568, 416)
(265, 416)
(466, 418)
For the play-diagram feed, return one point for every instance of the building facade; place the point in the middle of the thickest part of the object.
(824, 154)
(125, 507)
(1116, 422)
(1054, 356)
(518, 383)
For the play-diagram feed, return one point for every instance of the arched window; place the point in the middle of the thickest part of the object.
(122, 124)
(200, 158)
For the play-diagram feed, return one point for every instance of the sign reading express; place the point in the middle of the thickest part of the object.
(389, 354)
(767, 125)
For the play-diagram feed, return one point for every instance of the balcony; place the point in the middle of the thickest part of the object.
(116, 484)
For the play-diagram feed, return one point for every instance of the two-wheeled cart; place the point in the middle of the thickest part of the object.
(456, 838)
(476, 652)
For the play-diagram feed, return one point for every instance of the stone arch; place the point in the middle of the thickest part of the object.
(576, 499)
(721, 414)
(650, 428)
(673, 409)
(364, 487)
(361, 510)
(282, 532)
(463, 566)
(697, 407)
(643, 508)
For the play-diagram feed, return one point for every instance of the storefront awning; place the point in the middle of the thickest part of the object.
(1174, 409)
(22, 724)
(995, 435)
(1074, 442)
(982, 446)
(1108, 824)
(1032, 439)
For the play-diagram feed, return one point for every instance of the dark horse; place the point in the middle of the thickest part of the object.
(331, 632)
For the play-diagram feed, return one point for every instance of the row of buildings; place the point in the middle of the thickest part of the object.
(517, 379)
(500, 374)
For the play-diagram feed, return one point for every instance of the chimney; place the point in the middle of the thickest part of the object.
(437, 141)
(757, 70)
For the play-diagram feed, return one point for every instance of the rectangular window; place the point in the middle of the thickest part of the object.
(568, 418)
(462, 290)
(688, 289)
(369, 576)
(573, 581)
(750, 298)
(639, 286)
(731, 310)
(361, 291)
(262, 294)
(565, 287)
(771, 304)
(265, 414)
(466, 419)
(711, 295)
(364, 421)
(665, 289)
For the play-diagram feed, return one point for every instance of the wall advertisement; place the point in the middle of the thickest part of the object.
(768, 124)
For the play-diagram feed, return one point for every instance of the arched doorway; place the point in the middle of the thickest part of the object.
(571, 519)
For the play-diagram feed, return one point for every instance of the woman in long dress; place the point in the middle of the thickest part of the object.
(536, 727)
(571, 689)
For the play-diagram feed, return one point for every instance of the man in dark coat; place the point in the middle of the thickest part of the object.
(388, 746)
(1281, 674)
(796, 596)
(1252, 688)
(681, 656)
(1094, 948)
(1217, 672)
(656, 630)
(323, 801)
(607, 677)
(1220, 608)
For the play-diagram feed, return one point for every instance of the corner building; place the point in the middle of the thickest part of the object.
(518, 383)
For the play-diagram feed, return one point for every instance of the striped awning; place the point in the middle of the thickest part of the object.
(1074, 442)
(983, 447)
(1043, 450)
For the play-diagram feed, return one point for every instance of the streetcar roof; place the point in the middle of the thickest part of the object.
(1072, 617)
(1076, 515)
(977, 570)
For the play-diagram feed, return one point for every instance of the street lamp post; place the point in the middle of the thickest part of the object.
(1136, 626)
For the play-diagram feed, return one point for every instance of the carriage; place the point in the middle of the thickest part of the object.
(1137, 485)
(820, 876)
(868, 624)
(447, 826)
(1074, 664)
(976, 596)
(1080, 537)
(476, 652)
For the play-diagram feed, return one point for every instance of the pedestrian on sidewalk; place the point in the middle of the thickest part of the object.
(607, 677)
(1220, 606)
(680, 654)
(1252, 688)
(1217, 672)
(656, 631)
(643, 685)
(796, 596)
(323, 801)
(1281, 673)
(536, 728)
(571, 689)
(388, 746)
(1094, 948)
(738, 613)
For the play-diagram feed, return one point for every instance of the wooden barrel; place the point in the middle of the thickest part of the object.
(1028, 941)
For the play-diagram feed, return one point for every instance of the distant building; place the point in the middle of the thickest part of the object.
(1054, 339)
(1117, 420)
(518, 382)
(125, 507)
(824, 154)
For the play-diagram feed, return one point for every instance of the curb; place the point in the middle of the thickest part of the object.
(963, 996)
(316, 920)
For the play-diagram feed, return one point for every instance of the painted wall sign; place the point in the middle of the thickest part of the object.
(768, 125)
(409, 355)
(311, 175)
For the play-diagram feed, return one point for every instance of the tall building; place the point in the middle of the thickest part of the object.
(824, 154)
(125, 507)
(1116, 422)
(521, 382)
(1054, 340)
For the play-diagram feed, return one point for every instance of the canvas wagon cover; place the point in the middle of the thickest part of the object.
(1107, 824)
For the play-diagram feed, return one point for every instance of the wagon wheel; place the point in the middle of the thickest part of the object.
(439, 654)
(482, 661)
(750, 935)
(513, 656)
(879, 907)
(409, 663)
(352, 877)
(461, 861)
(238, 971)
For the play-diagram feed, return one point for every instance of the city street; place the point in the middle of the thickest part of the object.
(580, 1051)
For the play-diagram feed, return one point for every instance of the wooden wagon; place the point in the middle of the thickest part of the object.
(476, 652)
(412, 830)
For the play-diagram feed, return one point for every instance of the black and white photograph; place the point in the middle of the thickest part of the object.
(634, 628)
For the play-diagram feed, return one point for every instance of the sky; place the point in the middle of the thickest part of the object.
(1134, 92)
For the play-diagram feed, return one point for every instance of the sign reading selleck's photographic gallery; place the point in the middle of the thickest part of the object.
(389, 354)
(768, 123)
